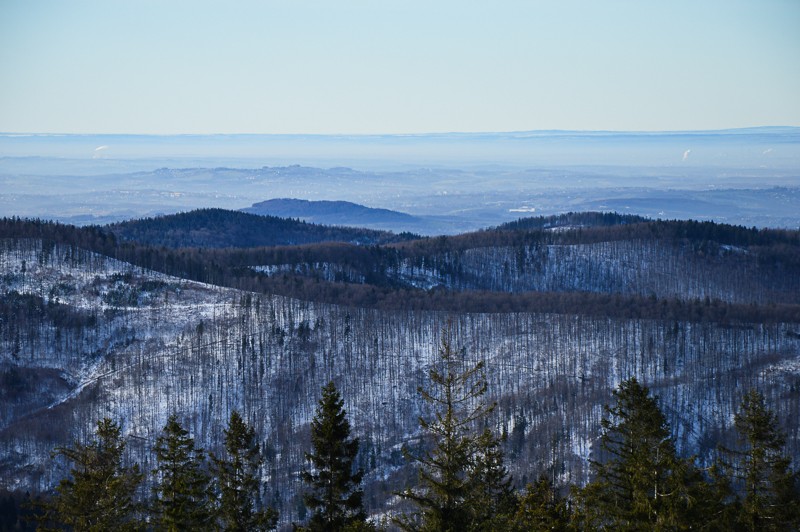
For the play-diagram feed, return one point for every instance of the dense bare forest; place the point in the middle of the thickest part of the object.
(559, 311)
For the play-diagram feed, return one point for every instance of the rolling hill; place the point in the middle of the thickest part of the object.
(219, 228)
(99, 322)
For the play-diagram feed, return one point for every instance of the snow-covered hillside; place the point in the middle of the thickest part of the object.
(84, 337)
(645, 268)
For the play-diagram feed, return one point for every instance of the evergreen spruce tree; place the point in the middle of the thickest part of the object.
(492, 500)
(237, 481)
(770, 497)
(182, 491)
(335, 497)
(540, 508)
(717, 506)
(641, 483)
(453, 476)
(99, 496)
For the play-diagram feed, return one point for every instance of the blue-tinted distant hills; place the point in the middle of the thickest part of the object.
(349, 214)
(219, 228)
(329, 212)
(746, 147)
(346, 213)
(428, 184)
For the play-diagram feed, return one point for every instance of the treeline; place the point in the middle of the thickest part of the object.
(371, 276)
(580, 303)
(19, 311)
(587, 228)
(570, 219)
(191, 489)
(627, 226)
(639, 480)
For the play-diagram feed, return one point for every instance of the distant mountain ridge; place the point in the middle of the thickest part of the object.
(220, 228)
(329, 212)
(349, 214)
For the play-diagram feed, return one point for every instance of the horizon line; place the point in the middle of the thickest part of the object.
(13, 134)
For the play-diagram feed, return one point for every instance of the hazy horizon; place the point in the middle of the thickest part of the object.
(452, 182)
(361, 67)
(405, 134)
(455, 147)
(470, 111)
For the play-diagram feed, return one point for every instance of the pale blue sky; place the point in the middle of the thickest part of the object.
(374, 66)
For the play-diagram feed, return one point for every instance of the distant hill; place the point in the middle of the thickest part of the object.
(219, 228)
(328, 212)
(572, 219)
(345, 213)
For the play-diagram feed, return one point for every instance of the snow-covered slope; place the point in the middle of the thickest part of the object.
(151, 345)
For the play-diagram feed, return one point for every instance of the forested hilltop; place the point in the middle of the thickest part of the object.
(219, 228)
(559, 312)
(602, 264)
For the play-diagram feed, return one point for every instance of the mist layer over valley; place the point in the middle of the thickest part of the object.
(448, 183)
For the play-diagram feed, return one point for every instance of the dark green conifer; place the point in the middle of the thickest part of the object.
(770, 498)
(492, 501)
(540, 508)
(716, 506)
(182, 497)
(238, 483)
(452, 489)
(640, 482)
(99, 496)
(335, 496)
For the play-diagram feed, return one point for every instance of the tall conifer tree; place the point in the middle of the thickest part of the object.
(238, 483)
(454, 476)
(335, 497)
(770, 497)
(640, 482)
(99, 496)
(492, 498)
(540, 508)
(182, 496)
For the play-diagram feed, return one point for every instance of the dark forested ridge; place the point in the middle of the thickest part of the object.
(573, 219)
(590, 263)
(558, 314)
(329, 212)
(219, 228)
